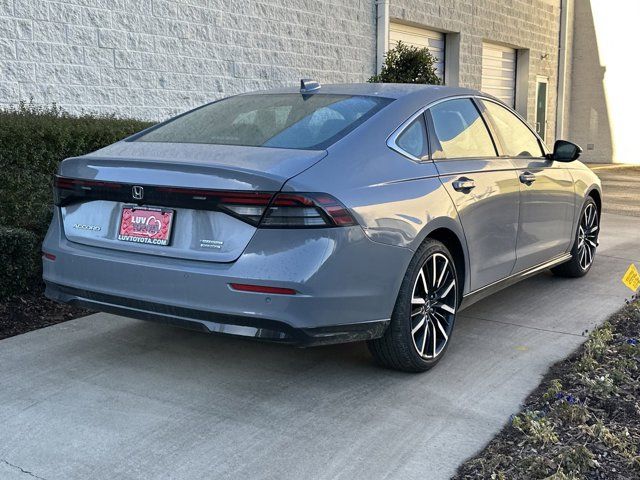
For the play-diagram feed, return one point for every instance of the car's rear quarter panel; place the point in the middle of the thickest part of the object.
(396, 200)
(585, 181)
(331, 269)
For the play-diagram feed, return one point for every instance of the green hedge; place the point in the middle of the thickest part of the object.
(20, 264)
(33, 141)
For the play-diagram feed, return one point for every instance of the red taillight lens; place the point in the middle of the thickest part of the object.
(262, 209)
(262, 289)
(306, 210)
(249, 206)
(68, 190)
(246, 205)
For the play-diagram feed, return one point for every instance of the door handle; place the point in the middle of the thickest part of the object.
(464, 184)
(527, 178)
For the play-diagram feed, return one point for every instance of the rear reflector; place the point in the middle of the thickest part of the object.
(49, 256)
(262, 289)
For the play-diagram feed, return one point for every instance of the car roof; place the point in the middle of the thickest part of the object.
(388, 90)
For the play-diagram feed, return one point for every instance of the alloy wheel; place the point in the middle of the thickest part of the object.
(588, 236)
(433, 306)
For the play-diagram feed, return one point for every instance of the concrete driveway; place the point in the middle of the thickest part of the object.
(105, 397)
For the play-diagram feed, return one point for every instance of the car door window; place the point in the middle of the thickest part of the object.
(516, 138)
(460, 130)
(413, 140)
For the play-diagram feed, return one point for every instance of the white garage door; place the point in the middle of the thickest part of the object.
(499, 72)
(419, 37)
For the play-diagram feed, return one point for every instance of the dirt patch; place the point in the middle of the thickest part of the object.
(23, 313)
(583, 421)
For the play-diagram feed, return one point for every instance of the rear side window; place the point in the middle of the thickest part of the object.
(413, 139)
(515, 136)
(270, 120)
(460, 130)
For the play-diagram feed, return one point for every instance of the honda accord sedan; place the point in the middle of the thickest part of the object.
(322, 214)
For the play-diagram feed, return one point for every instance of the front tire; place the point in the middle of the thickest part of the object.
(424, 313)
(583, 252)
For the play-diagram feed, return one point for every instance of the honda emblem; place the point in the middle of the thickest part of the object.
(137, 192)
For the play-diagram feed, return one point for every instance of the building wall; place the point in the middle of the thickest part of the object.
(603, 109)
(566, 126)
(522, 24)
(153, 58)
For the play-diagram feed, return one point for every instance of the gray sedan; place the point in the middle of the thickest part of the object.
(322, 214)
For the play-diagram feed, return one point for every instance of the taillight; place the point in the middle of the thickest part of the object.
(306, 210)
(70, 190)
(260, 209)
(248, 206)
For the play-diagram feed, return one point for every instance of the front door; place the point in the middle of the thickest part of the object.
(483, 187)
(546, 191)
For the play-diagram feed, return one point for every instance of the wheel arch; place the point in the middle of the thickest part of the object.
(597, 197)
(449, 232)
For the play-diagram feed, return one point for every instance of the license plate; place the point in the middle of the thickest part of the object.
(146, 225)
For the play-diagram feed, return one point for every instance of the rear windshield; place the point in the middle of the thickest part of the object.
(270, 120)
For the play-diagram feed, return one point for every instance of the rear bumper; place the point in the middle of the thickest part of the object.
(209, 322)
(346, 285)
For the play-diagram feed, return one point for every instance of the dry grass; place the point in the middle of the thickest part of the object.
(584, 419)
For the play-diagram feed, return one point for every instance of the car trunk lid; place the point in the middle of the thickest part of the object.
(208, 193)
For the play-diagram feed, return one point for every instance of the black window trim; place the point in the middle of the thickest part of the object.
(431, 129)
(489, 120)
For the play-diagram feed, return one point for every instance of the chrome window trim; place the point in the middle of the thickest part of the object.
(391, 140)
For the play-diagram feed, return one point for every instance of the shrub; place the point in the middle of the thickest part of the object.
(407, 64)
(19, 260)
(33, 141)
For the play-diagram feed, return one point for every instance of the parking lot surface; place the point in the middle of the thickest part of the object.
(106, 397)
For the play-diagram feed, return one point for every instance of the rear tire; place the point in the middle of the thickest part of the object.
(583, 251)
(424, 314)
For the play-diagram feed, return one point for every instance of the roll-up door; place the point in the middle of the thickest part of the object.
(419, 37)
(499, 72)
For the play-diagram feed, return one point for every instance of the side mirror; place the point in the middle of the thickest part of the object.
(564, 151)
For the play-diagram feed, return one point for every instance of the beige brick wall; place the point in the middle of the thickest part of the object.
(603, 80)
(154, 58)
(589, 123)
(524, 24)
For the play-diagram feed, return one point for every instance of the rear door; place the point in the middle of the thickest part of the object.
(484, 187)
(546, 191)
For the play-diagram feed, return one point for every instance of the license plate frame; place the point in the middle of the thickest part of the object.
(152, 225)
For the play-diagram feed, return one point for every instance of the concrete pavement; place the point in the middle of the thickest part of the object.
(106, 397)
(620, 186)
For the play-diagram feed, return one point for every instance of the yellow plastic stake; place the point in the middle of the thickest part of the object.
(632, 278)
